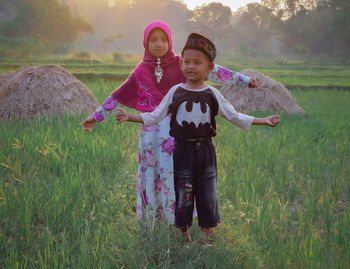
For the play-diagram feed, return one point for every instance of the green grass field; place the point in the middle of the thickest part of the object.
(68, 197)
(289, 73)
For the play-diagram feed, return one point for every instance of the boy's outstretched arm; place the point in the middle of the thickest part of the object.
(271, 121)
(123, 116)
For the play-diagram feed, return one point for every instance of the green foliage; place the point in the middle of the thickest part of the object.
(300, 50)
(81, 54)
(47, 20)
(24, 47)
(244, 51)
(274, 26)
(340, 24)
(320, 26)
(207, 19)
(118, 57)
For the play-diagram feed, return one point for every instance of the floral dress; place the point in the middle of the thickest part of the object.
(155, 180)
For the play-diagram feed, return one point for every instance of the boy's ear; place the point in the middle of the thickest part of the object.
(181, 63)
(211, 66)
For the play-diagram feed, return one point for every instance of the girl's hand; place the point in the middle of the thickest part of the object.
(252, 83)
(272, 120)
(89, 123)
(122, 115)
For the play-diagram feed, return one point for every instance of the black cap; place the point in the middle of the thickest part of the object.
(201, 43)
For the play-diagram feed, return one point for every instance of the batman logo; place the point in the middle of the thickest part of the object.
(196, 115)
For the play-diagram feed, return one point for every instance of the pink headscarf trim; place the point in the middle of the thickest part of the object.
(148, 92)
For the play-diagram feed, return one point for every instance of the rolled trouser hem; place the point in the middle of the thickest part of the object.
(209, 226)
(183, 227)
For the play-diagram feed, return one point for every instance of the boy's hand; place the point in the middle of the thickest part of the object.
(89, 123)
(272, 120)
(122, 115)
(252, 83)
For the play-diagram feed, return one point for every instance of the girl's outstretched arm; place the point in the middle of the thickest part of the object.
(123, 116)
(110, 105)
(228, 77)
(103, 112)
(89, 123)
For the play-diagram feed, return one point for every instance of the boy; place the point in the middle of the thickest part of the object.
(193, 106)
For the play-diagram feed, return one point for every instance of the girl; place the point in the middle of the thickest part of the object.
(143, 91)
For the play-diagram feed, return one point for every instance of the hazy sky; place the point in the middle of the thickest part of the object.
(233, 4)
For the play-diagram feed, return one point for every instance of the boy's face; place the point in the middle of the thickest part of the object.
(158, 44)
(195, 65)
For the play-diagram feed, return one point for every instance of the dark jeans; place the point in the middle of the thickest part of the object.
(195, 175)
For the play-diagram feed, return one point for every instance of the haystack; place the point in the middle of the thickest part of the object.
(269, 96)
(3, 78)
(49, 90)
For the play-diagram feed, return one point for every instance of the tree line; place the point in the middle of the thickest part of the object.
(313, 27)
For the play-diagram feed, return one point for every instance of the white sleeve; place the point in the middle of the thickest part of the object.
(228, 112)
(151, 118)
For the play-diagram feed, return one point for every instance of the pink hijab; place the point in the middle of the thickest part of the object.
(142, 91)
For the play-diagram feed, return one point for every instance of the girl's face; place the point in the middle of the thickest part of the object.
(158, 44)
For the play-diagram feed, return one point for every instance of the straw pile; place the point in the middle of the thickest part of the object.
(269, 96)
(49, 90)
(3, 78)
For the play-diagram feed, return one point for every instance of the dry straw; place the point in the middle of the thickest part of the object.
(49, 90)
(269, 96)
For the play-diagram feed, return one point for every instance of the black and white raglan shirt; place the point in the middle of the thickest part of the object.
(193, 112)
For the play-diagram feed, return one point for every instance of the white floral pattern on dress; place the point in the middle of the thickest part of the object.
(155, 187)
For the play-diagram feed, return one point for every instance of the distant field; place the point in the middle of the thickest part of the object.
(68, 197)
(301, 73)
(309, 75)
(289, 73)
